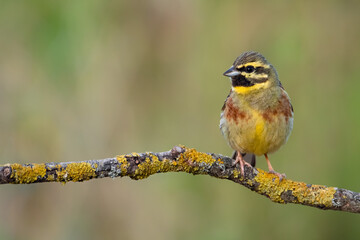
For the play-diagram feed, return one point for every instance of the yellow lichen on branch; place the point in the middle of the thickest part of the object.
(124, 163)
(182, 159)
(198, 157)
(78, 172)
(189, 161)
(192, 161)
(298, 191)
(32, 173)
(153, 165)
(27, 174)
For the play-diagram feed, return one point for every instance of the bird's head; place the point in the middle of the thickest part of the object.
(251, 72)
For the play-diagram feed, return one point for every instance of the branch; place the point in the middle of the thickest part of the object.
(182, 159)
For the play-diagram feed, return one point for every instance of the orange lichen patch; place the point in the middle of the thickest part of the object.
(300, 192)
(124, 163)
(27, 174)
(220, 161)
(78, 172)
(153, 165)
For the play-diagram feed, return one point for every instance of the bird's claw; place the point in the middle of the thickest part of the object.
(280, 175)
(242, 165)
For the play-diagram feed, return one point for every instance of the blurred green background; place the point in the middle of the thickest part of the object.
(92, 79)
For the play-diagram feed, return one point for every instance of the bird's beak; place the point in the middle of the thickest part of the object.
(231, 72)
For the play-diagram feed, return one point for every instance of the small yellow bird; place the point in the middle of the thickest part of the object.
(257, 116)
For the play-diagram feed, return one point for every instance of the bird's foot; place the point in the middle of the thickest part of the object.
(239, 159)
(248, 164)
(280, 175)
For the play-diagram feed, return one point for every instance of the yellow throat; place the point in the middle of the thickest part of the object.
(245, 90)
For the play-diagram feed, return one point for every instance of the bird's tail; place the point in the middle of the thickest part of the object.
(248, 157)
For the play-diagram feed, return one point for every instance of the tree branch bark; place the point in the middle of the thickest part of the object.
(181, 159)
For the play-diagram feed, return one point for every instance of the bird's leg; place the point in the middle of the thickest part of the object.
(271, 170)
(240, 159)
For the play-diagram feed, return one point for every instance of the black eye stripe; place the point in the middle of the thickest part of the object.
(257, 70)
(248, 69)
(260, 70)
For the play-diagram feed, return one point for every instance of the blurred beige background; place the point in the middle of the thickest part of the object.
(86, 80)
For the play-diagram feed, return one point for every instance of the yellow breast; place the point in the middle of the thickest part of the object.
(252, 131)
(254, 138)
(258, 131)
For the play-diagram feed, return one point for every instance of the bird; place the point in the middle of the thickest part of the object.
(257, 116)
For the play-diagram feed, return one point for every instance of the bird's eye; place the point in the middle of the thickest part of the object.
(250, 69)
